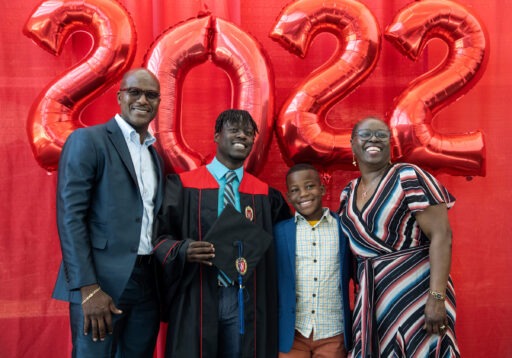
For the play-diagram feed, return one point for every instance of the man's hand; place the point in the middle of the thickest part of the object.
(201, 252)
(98, 311)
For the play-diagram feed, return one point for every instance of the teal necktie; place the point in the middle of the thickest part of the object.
(229, 198)
(229, 193)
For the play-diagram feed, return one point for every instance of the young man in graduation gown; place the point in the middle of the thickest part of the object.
(202, 305)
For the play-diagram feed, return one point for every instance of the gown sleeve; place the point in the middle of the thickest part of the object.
(280, 209)
(169, 245)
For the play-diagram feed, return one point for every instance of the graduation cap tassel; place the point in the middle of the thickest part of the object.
(240, 290)
(241, 305)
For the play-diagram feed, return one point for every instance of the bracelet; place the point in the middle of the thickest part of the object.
(437, 295)
(90, 295)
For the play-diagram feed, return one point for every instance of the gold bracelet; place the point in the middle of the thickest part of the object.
(90, 295)
(437, 295)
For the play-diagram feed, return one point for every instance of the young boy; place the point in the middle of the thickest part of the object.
(313, 270)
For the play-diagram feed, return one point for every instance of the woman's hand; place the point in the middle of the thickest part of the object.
(435, 316)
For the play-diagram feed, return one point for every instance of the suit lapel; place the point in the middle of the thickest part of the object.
(116, 137)
(160, 178)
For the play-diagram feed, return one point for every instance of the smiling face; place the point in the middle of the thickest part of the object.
(305, 192)
(136, 109)
(370, 143)
(234, 143)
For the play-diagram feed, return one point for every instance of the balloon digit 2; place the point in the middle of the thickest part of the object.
(302, 132)
(414, 138)
(55, 113)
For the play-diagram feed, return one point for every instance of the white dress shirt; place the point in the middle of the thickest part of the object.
(145, 170)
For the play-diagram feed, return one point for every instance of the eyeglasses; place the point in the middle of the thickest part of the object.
(135, 92)
(366, 134)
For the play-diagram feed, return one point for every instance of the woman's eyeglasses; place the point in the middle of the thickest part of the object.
(366, 134)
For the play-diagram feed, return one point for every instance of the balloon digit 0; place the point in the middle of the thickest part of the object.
(191, 43)
(245, 62)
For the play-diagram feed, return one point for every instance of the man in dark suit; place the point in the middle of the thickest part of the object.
(109, 190)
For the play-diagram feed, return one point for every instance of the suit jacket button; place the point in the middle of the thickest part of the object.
(138, 220)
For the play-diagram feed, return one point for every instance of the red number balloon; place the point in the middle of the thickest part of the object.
(55, 113)
(415, 139)
(302, 131)
(191, 43)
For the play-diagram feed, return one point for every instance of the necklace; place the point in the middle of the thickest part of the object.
(366, 190)
(364, 194)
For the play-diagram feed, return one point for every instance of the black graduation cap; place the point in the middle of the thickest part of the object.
(239, 243)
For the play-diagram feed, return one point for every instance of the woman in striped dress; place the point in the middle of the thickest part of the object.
(395, 216)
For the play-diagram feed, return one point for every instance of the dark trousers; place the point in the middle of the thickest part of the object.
(135, 330)
(229, 325)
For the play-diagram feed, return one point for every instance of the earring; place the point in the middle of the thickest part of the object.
(354, 163)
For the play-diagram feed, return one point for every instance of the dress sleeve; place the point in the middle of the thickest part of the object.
(421, 189)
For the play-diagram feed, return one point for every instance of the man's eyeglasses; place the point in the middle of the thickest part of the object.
(135, 92)
(366, 134)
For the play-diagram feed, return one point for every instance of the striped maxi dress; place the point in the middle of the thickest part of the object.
(393, 267)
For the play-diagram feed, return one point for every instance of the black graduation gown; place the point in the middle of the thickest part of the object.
(191, 300)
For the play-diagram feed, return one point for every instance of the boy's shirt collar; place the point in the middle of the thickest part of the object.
(326, 215)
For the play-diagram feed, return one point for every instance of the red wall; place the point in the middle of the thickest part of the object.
(32, 324)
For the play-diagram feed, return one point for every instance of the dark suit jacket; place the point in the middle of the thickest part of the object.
(285, 241)
(99, 211)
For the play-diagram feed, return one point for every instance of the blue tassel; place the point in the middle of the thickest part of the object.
(241, 304)
(241, 293)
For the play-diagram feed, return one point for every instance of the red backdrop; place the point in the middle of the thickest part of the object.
(32, 324)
